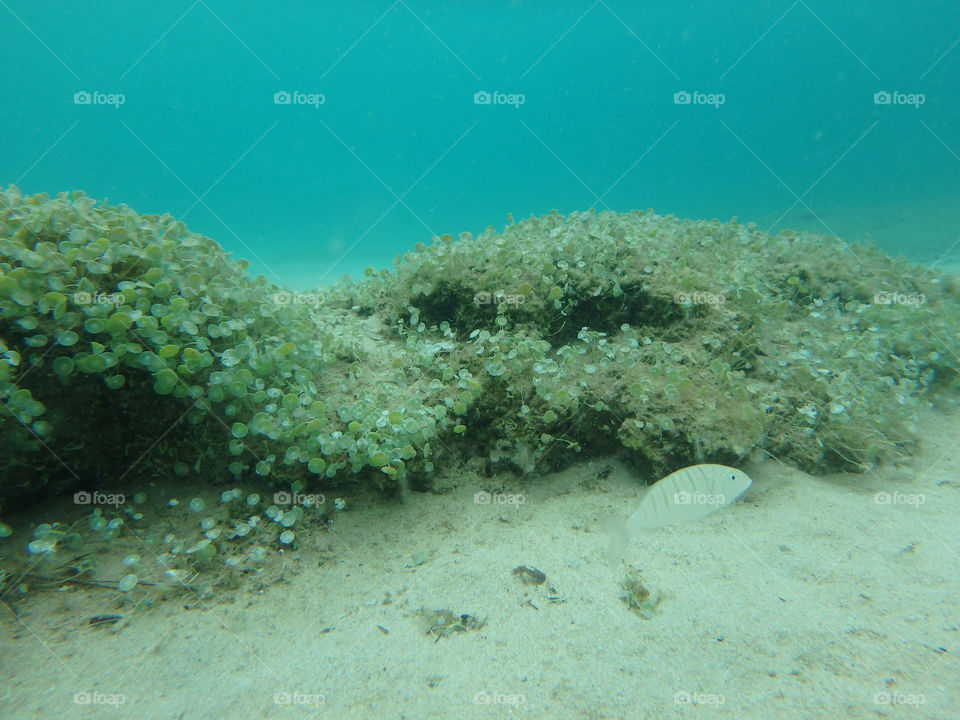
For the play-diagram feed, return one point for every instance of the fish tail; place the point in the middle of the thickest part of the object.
(619, 539)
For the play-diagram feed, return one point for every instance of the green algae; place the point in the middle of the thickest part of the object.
(671, 341)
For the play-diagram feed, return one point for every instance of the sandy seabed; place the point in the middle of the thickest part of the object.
(810, 597)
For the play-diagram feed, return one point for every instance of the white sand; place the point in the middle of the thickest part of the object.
(804, 599)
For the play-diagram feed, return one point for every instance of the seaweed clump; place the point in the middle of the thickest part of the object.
(676, 341)
(133, 348)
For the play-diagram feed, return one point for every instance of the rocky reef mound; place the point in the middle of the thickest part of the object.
(131, 348)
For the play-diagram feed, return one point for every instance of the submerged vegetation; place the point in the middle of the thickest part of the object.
(132, 349)
(147, 550)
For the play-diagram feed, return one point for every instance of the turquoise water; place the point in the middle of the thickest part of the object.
(398, 151)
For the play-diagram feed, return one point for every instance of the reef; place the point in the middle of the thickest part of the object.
(132, 348)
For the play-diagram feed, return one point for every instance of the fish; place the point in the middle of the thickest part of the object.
(682, 496)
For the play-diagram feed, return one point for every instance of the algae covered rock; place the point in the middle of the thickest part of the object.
(131, 348)
(679, 341)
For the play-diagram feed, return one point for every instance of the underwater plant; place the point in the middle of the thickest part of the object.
(131, 348)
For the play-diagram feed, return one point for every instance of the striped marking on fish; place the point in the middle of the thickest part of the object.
(682, 496)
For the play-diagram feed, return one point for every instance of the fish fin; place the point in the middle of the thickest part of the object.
(616, 530)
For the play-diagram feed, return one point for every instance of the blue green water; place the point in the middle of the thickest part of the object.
(399, 150)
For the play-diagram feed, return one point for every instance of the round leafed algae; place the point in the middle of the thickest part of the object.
(131, 347)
